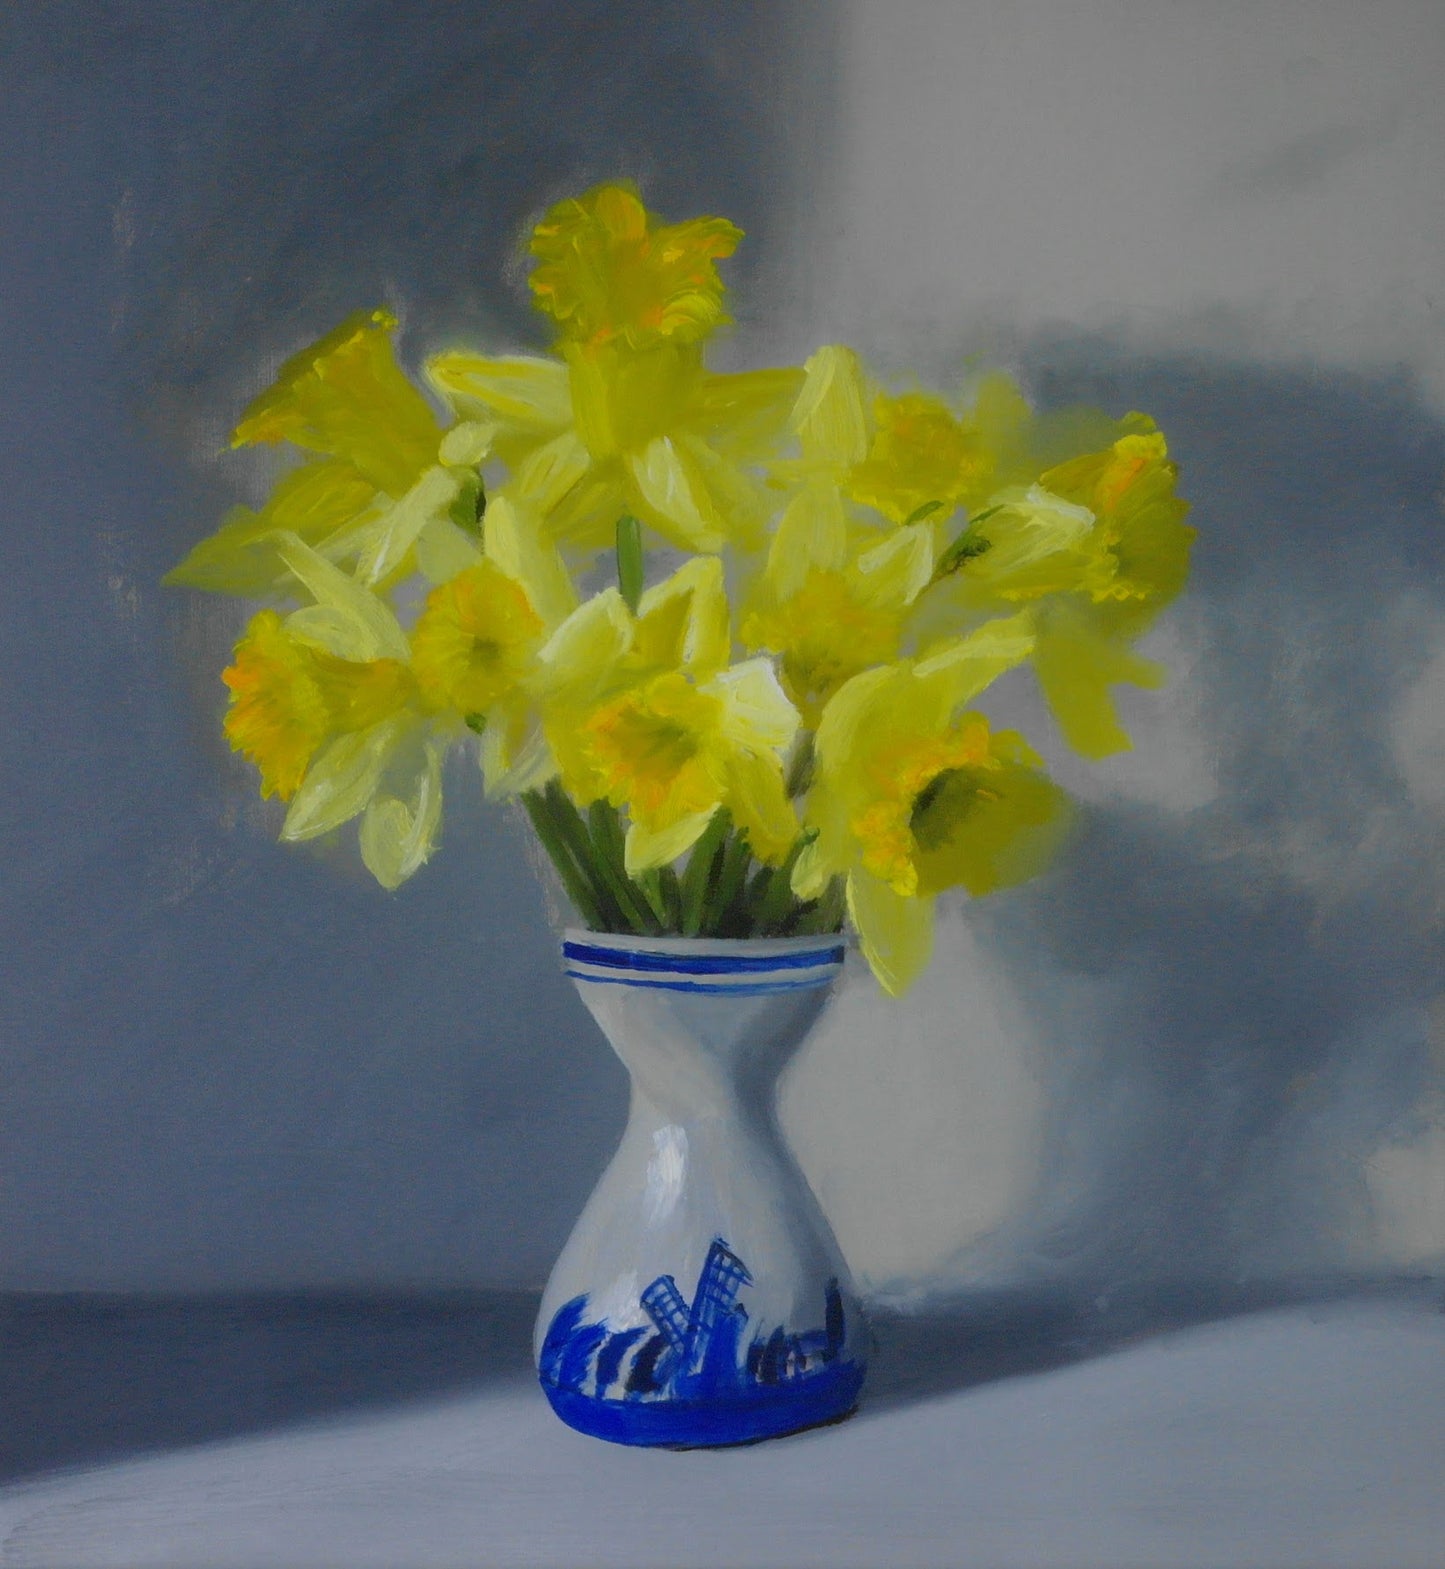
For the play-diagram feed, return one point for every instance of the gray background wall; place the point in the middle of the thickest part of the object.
(1202, 1047)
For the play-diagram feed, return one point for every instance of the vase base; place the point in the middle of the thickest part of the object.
(815, 1401)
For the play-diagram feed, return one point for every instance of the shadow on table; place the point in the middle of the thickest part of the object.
(978, 1338)
(90, 1378)
(85, 1379)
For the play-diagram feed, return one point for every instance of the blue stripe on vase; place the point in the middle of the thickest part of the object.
(745, 989)
(701, 964)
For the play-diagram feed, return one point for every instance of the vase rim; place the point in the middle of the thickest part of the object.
(762, 947)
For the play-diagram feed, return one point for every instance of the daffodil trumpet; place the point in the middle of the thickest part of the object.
(726, 638)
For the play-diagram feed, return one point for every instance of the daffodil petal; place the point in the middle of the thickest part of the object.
(895, 573)
(896, 933)
(759, 803)
(811, 873)
(398, 835)
(395, 532)
(812, 534)
(962, 667)
(375, 631)
(648, 848)
(757, 713)
(316, 502)
(734, 497)
(1076, 667)
(467, 444)
(550, 471)
(443, 550)
(672, 498)
(342, 780)
(578, 659)
(514, 763)
(684, 620)
(831, 417)
(513, 539)
(523, 391)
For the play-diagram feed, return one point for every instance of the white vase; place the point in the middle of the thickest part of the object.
(701, 1298)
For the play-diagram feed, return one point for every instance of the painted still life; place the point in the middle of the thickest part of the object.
(723, 635)
(723, 751)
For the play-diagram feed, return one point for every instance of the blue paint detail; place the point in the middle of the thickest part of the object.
(744, 989)
(609, 1358)
(701, 964)
(695, 1380)
(743, 1418)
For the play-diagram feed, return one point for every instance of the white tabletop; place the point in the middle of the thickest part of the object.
(1307, 1435)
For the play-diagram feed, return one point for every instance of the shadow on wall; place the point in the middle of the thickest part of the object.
(1231, 986)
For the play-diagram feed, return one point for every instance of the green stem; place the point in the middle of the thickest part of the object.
(560, 854)
(724, 914)
(609, 854)
(573, 827)
(631, 568)
(702, 867)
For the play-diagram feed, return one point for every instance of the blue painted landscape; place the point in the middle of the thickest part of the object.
(694, 1376)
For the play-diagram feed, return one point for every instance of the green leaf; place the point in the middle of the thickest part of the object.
(919, 513)
(969, 544)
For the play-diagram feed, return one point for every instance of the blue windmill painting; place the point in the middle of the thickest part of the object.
(695, 1376)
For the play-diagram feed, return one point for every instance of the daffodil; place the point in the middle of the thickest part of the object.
(289, 696)
(336, 738)
(346, 716)
(1096, 547)
(607, 270)
(914, 794)
(645, 712)
(841, 618)
(386, 480)
(628, 420)
(922, 458)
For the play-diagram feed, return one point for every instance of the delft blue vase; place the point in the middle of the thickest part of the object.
(701, 1299)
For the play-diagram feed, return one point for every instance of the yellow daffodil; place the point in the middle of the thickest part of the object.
(387, 479)
(803, 690)
(329, 736)
(921, 456)
(628, 419)
(913, 795)
(610, 431)
(474, 650)
(327, 702)
(607, 270)
(838, 620)
(1096, 547)
(289, 696)
(474, 641)
(645, 712)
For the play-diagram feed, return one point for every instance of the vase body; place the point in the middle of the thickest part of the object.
(701, 1298)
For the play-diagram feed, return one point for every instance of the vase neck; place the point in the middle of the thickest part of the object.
(704, 1026)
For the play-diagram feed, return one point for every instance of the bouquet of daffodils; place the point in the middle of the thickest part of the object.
(721, 635)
